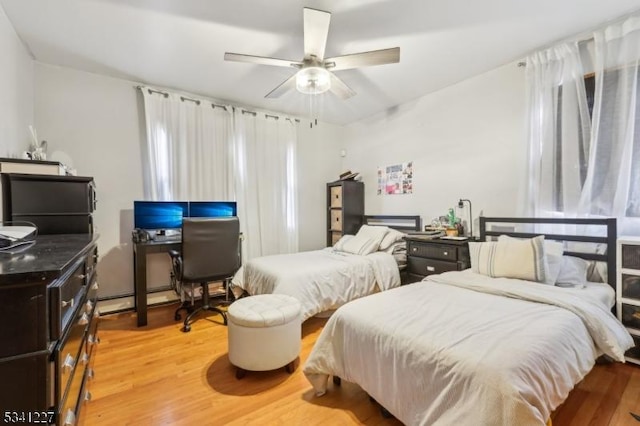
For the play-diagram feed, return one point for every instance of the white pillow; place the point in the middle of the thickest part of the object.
(510, 258)
(573, 271)
(552, 254)
(366, 241)
(340, 243)
(392, 236)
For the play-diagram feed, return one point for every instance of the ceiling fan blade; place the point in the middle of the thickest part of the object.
(284, 87)
(262, 60)
(363, 59)
(340, 89)
(316, 29)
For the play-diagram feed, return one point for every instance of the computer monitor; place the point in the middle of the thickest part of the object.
(212, 208)
(159, 215)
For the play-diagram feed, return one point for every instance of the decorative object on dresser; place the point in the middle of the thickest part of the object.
(48, 325)
(628, 291)
(461, 202)
(434, 256)
(345, 209)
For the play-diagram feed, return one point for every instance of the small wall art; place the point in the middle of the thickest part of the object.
(396, 179)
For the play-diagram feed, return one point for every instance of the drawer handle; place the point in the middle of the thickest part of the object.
(88, 306)
(414, 249)
(95, 257)
(95, 286)
(445, 253)
(430, 268)
(87, 396)
(82, 276)
(96, 313)
(66, 303)
(68, 363)
(93, 340)
(84, 360)
(84, 319)
(69, 418)
(90, 374)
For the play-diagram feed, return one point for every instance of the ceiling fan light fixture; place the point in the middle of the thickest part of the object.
(313, 80)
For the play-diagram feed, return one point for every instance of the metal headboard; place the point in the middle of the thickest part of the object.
(401, 223)
(610, 240)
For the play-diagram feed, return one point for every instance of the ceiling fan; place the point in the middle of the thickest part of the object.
(315, 72)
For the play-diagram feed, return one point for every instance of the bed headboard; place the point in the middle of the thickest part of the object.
(606, 228)
(401, 223)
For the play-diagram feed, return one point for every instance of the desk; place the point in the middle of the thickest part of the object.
(140, 252)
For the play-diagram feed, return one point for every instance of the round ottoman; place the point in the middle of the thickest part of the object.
(264, 333)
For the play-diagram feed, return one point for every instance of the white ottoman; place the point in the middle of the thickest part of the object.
(264, 333)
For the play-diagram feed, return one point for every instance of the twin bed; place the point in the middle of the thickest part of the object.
(323, 280)
(482, 346)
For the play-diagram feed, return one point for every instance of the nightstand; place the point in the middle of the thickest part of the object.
(628, 291)
(434, 256)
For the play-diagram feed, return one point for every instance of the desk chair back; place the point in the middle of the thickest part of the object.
(210, 248)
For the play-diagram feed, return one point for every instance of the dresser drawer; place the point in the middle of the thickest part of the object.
(630, 286)
(432, 251)
(65, 295)
(336, 196)
(68, 355)
(336, 220)
(630, 256)
(424, 266)
(631, 316)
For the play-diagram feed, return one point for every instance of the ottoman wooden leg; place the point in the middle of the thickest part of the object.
(291, 367)
(240, 372)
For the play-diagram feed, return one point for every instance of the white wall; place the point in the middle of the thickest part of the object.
(465, 141)
(97, 122)
(16, 91)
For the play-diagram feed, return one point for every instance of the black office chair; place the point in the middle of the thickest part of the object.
(211, 251)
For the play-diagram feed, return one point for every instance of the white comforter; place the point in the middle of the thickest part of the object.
(322, 279)
(506, 352)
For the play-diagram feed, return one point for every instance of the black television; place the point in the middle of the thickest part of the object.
(159, 215)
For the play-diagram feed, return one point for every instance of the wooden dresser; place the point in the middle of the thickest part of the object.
(48, 326)
(345, 209)
(427, 257)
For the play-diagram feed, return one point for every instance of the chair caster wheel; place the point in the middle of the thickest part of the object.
(186, 329)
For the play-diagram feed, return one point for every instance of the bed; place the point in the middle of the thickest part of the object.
(323, 280)
(469, 348)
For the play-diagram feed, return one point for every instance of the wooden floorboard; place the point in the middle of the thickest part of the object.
(157, 375)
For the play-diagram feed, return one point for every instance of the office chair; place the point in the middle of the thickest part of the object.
(211, 251)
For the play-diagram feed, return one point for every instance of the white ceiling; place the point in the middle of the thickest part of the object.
(180, 44)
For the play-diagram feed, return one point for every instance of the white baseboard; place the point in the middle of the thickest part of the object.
(128, 303)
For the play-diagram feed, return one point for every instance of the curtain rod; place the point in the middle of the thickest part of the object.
(213, 105)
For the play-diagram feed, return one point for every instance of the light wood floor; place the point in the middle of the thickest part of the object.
(157, 375)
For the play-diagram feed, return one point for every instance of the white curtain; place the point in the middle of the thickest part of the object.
(612, 184)
(265, 152)
(559, 128)
(581, 161)
(196, 150)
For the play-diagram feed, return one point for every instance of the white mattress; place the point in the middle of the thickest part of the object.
(462, 348)
(321, 280)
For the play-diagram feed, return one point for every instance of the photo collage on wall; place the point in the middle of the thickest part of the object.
(396, 179)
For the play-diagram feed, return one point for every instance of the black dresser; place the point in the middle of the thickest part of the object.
(48, 325)
(54, 204)
(435, 256)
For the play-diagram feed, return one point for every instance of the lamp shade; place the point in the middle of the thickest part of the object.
(313, 80)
